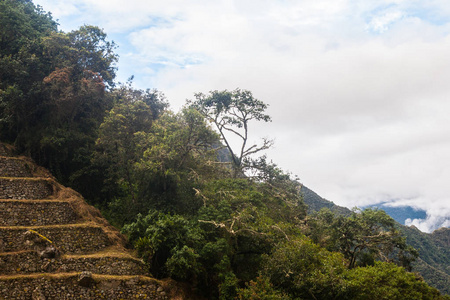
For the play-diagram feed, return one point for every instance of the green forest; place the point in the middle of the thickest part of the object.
(216, 215)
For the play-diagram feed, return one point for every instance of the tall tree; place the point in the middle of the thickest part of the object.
(118, 139)
(52, 87)
(178, 153)
(22, 23)
(118, 147)
(365, 236)
(22, 68)
(74, 99)
(231, 113)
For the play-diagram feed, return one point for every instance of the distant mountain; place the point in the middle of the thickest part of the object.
(434, 255)
(433, 263)
(401, 213)
(316, 203)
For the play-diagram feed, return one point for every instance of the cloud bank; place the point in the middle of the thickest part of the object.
(357, 90)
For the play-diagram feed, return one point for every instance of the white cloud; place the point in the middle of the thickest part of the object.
(381, 23)
(360, 115)
(429, 224)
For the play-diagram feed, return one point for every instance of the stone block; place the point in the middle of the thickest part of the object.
(66, 287)
(30, 262)
(68, 239)
(15, 167)
(25, 188)
(36, 212)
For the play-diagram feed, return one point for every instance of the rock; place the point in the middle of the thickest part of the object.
(45, 266)
(109, 285)
(37, 294)
(33, 238)
(49, 252)
(85, 279)
(132, 282)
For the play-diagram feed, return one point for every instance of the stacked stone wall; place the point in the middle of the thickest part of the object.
(66, 287)
(5, 151)
(54, 246)
(21, 188)
(29, 213)
(102, 265)
(14, 167)
(68, 239)
(29, 262)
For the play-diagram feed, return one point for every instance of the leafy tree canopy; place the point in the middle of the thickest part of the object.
(367, 235)
(242, 234)
(52, 87)
(231, 113)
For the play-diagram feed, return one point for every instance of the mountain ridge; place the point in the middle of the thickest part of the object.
(433, 263)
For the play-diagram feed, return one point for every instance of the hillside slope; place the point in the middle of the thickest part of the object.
(316, 203)
(434, 254)
(55, 246)
(434, 249)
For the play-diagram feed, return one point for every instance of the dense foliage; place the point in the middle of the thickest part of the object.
(53, 86)
(225, 220)
(433, 248)
(362, 237)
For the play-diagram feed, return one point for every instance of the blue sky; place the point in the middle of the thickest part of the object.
(357, 90)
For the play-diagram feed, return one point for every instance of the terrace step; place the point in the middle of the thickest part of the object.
(6, 150)
(25, 188)
(69, 239)
(36, 212)
(66, 286)
(15, 167)
(49, 236)
(105, 263)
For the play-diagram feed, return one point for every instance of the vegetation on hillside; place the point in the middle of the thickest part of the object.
(227, 221)
(433, 262)
(434, 249)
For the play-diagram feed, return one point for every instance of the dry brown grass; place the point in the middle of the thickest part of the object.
(39, 275)
(15, 253)
(109, 252)
(28, 179)
(76, 274)
(35, 227)
(34, 200)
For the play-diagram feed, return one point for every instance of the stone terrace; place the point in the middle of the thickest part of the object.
(55, 246)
